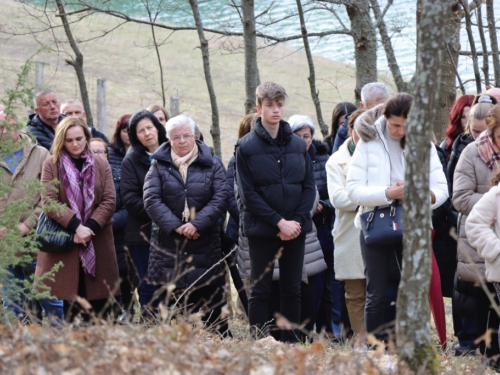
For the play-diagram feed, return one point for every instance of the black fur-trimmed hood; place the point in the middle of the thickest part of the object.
(322, 148)
(365, 123)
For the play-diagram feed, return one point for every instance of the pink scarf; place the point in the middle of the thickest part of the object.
(79, 187)
(488, 151)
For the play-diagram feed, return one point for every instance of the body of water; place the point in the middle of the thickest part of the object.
(400, 21)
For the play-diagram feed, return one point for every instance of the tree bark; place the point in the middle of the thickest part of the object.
(486, 65)
(312, 74)
(468, 28)
(448, 92)
(401, 85)
(365, 44)
(252, 78)
(77, 64)
(490, 16)
(214, 128)
(415, 347)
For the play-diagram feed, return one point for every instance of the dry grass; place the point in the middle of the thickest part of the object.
(123, 59)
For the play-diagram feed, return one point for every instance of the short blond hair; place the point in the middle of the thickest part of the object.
(62, 128)
(271, 91)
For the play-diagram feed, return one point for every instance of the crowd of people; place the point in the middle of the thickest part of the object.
(155, 210)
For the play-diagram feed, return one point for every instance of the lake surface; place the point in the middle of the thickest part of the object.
(400, 20)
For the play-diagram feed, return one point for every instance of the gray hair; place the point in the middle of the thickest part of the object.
(42, 93)
(299, 122)
(374, 91)
(177, 122)
(70, 101)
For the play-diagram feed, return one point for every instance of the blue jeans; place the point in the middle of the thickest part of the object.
(17, 304)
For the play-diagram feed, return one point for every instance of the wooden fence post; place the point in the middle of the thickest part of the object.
(174, 106)
(101, 105)
(38, 74)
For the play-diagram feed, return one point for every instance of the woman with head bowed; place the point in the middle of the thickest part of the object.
(376, 179)
(86, 195)
(185, 194)
(145, 134)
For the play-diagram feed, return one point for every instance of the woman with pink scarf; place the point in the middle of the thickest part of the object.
(85, 194)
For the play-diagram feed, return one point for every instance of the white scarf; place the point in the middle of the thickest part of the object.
(182, 163)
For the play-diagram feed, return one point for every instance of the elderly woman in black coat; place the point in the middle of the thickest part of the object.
(185, 194)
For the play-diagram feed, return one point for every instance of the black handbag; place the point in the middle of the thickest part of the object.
(383, 226)
(52, 236)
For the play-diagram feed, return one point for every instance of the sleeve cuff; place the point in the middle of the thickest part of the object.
(73, 224)
(93, 225)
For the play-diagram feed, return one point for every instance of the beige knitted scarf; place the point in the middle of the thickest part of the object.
(182, 163)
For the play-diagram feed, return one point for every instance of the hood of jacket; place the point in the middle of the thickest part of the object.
(322, 148)
(164, 154)
(365, 123)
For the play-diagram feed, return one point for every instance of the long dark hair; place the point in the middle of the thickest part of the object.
(341, 109)
(132, 130)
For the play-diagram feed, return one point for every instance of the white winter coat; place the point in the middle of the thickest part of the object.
(347, 255)
(483, 235)
(369, 174)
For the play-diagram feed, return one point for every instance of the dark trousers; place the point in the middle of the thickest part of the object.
(324, 295)
(263, 251)
(382, 270)
(140, 257)
(209, 298)
(486, 317)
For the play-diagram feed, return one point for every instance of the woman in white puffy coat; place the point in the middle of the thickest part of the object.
(348, 262)
(376, 178)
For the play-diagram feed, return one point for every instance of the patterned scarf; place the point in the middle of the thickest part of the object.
(488, 151)
(79, 187)
(182, 163)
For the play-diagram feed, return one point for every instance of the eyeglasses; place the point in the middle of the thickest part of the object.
(98, 152)
(186, 137)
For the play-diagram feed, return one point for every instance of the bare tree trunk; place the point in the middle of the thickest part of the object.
(76, 63)
(448, 92)
(252, 79)
(214, 128)
(415, 347)
(490, 16)
(160, 65)
(365, 44)
(486, 65)
(468, 28)
(389, 51)
(312, 74)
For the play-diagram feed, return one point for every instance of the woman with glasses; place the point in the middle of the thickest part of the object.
(146, 134)
(185, 194)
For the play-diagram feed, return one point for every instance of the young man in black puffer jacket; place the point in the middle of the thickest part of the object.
(276, 186)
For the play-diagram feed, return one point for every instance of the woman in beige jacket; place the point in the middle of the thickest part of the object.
(348, 262)
(477, 164)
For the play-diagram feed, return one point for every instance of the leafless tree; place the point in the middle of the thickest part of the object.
(414, 341)
(214, 127)
(490, 15)
(312, 74)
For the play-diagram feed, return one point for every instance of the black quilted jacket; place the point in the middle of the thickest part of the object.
(172, 256)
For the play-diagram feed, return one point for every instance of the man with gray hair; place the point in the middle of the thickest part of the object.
(74, 108)
(42, 124)
(372, 94)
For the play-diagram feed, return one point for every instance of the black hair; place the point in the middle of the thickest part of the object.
(132, 130)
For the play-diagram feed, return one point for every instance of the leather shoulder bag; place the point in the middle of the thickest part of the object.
(52, 236)
(383, 226)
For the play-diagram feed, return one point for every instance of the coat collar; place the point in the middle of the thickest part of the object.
(285, 129)
(365, 124)
(343, 156)
(163, 154)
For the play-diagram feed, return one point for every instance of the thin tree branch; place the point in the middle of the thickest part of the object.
(462, 88)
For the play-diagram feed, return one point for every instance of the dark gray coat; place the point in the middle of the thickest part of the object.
(173, 256)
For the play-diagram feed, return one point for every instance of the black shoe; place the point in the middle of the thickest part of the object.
(461, 350)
